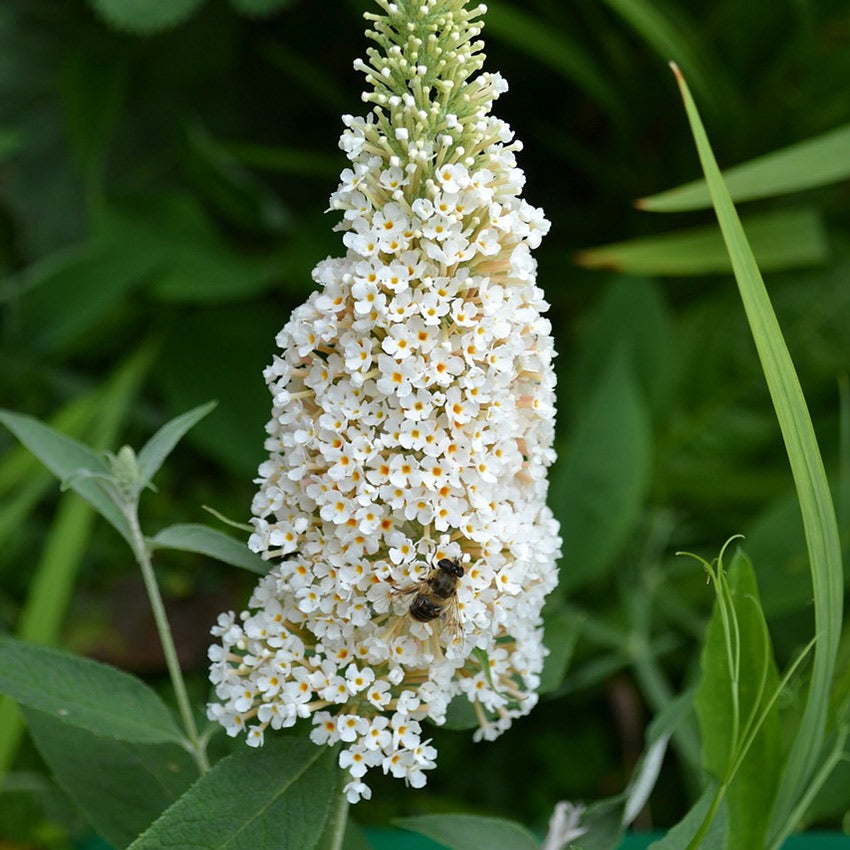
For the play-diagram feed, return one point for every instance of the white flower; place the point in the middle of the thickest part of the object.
(412, 425)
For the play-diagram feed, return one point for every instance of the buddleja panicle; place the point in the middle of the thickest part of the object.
(412, 422)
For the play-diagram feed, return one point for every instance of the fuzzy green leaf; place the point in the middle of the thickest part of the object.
(65, 458)
(470, 832)
(562, 628)
(84, 693)
(204, 540)
(121, 787)
(158, 447)
(266, 799)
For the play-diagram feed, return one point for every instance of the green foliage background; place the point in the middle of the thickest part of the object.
(163, 174)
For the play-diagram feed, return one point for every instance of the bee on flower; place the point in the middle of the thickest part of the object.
(403, 501)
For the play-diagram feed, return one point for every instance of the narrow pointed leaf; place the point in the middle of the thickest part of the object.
(204, 540)
(158, 447)
(84, 693)
(819, 521)
(276, 797)
(814, 162)
(787, 238)
(599, 486)
(750, 795)
(66, 458)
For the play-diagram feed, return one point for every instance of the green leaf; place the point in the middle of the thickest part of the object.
(822, 538)
(562, 628)
(633, 311)
(84, 693)
(783, 239)
(232, 343)
(145, 16)
(121, 787)
(460, 714)
(671, 35)
(598, 488)
(158, 447)
(646, 771)
(355, 838)
(216, 544)
(681, 835)
(724, 705)
(815, 162)
(470, 832)
(551, 47)
(284, 160)
(606, 820)
(777, 546)
(65, 457)
(68, 292)
(93, 85)
(277, 796)
(260, 8)
(194, 261)
(232, 189)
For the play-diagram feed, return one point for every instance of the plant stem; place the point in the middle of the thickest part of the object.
(140, 550)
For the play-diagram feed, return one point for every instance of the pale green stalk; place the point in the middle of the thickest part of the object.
(140, 550)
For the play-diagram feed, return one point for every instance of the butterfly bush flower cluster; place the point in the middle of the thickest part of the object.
(413, 417)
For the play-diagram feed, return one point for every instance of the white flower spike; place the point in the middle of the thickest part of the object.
(403, 502)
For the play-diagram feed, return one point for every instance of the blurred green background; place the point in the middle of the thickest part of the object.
(164, 169)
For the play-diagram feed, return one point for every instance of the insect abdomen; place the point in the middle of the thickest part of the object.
(424, 610)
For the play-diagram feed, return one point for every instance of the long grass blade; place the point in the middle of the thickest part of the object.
(819, 521)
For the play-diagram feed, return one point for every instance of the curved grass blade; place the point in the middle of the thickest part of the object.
(821, 527)
(814, 162)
